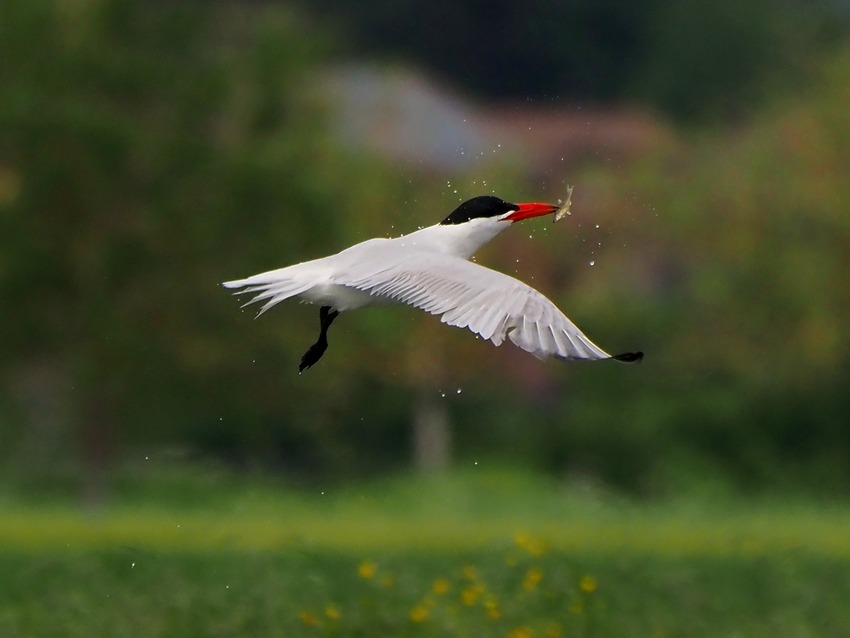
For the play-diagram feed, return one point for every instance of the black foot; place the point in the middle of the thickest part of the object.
(628, 357)
(315, 352)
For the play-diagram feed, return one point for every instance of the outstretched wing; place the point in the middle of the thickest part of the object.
(489, 303)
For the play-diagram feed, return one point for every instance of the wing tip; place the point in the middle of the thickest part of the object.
(628, 357)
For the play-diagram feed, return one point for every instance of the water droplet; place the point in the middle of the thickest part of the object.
(592, 262)
(132, 565)
(597, 225)
(459, 390)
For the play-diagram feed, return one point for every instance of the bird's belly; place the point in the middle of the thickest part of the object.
(341, 297)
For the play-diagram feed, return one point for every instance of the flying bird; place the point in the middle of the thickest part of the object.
(430, 269)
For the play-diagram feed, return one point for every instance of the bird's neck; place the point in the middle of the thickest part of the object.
(460, 240)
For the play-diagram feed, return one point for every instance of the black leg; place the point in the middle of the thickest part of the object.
(315, 352)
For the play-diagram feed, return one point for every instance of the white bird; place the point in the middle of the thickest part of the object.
(429, 269)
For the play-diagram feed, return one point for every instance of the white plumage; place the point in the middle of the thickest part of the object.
(429, 269)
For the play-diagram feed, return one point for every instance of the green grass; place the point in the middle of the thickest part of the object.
(472, 554)
(137, 593)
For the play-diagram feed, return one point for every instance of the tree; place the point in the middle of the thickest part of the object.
(148, 151)
(740, 277)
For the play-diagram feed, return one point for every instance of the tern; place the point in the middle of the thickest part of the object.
(430, 269)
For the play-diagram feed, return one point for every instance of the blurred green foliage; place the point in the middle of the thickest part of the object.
(742, 276)
(149, 151)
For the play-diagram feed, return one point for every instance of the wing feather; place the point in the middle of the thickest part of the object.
(275, 286)
(489, 303)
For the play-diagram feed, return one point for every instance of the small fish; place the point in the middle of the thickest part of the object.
(564, 210)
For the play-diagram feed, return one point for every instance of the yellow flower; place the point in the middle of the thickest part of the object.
(522, 632)
(419, 613)
(308, 618)
(531, 579)
(533, 546)
(367, 569)
(441, 586)
(332, 612)
(587, 584)
(469, 596)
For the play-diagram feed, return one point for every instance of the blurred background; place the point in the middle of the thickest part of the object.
(150, 150)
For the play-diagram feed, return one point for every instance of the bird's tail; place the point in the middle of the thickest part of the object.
(272, 287)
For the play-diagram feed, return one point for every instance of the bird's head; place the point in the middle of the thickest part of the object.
(489, 207)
